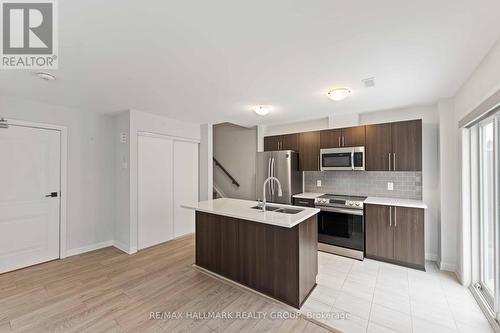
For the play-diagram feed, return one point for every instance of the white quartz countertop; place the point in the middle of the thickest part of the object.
(242, 209)
(307, 195)
(396, 202)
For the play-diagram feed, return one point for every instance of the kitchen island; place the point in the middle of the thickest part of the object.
(272, 252)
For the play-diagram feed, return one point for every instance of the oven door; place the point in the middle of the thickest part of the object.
(341, 227)
(337, 159)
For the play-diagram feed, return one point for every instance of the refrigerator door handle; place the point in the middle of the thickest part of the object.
(272, 175)
(269, 174)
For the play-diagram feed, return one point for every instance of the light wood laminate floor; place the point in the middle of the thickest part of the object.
(109, 291)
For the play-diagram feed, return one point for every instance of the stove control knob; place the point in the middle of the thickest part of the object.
(358, 204)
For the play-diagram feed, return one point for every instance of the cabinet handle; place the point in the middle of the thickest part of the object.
(389, 161)
(395, 217)
(394, 161)
(390, 216)
(343, 141)
(339, 142)
(318, 164)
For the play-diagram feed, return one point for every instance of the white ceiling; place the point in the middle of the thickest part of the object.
(208, 61)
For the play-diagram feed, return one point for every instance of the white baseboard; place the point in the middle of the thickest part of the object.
(431, 257)
(125, 248)
(88, 248)
(445, 266)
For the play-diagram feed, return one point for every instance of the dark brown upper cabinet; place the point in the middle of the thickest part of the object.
(378, 147)
(394, 146)
(272, 142)
(331, 138)
(407, 145)
(281, 142)
(290, 142)
(353, 136)
(343, 137)
(309, 146)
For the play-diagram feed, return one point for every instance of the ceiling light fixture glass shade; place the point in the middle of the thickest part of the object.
(338, 94)
(262, 110)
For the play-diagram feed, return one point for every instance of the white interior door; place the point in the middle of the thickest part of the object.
(185, 185)
(155, 173)
(30, 169)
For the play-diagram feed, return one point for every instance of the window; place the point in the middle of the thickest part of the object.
(488, 224)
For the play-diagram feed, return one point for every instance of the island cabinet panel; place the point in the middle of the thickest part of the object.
(308, 257)
(276, 261)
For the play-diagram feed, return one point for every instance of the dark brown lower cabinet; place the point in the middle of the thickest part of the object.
(409, 235)
(276, 261)
(395, 234)
(379, 233)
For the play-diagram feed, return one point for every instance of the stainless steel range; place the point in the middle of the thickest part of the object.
(341, 226)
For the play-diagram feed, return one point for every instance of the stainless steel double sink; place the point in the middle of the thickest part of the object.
(278, 209)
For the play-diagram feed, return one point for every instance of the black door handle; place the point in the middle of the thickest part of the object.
(51, 195)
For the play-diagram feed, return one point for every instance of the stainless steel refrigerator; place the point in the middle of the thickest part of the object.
(283, 165)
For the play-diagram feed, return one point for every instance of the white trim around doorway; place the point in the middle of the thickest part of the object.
(64, 175)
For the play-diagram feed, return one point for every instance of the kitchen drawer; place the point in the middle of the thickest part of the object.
(303, 202)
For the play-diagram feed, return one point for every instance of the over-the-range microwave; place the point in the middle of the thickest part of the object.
(352, 158)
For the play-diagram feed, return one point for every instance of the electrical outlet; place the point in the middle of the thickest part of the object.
(390, 186)
(318, 183)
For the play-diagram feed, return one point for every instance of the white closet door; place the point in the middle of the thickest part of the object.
(185, 185)
(155, 197)
(30, 169)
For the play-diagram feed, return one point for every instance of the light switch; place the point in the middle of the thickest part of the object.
(390, 186)
(318, 183)
(123, 137)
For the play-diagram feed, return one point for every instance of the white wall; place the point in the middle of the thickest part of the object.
(296, 127)
(450, 189)
(481, 84)
(235, 148)
(430, 151)
(122, 181)
(90, 186)
(206, 162)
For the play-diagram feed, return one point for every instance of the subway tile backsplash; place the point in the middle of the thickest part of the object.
(407, 185)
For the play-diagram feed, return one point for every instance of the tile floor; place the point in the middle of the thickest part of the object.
(385, 298)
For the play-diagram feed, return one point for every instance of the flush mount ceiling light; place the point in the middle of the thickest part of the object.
(338, 94)
(262, 110)
(45, 76)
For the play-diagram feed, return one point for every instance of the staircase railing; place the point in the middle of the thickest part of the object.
(234, 181)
